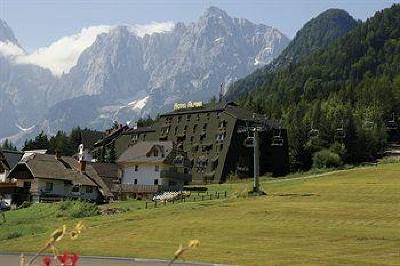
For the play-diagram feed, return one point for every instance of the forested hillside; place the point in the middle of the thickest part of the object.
(320, 32)
(339, 102)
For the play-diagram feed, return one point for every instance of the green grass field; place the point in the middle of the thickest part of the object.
(349, 217)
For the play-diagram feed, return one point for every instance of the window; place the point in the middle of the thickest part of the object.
(156, 168)
(188, 117)
(165, 131)
(195, 128)
(27, 184)
(195, 148)
(75, 189)
(215, 164)
(155, 181)
(205, 127)
(179, 118)
(222, 124)
(208, 115)
(198, 117)
(89, 190)
(191, 139)
(136, 168)
(135, 181)
(176, 130)
(155, 153)
(49, 187)
(220, 137)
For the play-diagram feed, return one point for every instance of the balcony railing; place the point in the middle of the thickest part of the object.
(174, 174)
(131, 188)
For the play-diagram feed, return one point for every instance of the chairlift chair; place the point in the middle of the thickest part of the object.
(391, 124)
(340, 132)
(248, 142)
(368, 125)
(313, 133)
(277, 140)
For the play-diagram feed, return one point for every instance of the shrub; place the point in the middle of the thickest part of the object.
(326, 159)
(13, 235)
(77, 209)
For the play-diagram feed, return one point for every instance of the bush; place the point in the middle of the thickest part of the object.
(13, 235)
(77, 209)
(326, 159)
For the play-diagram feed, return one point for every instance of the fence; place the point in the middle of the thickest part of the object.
(192, 198)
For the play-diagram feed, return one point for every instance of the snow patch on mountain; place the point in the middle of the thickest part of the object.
(139, 104)
(155, 27)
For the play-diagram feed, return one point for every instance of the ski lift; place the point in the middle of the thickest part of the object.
(340, 133)
(368, 124)
(391, 124)
(277, 139)
(313, 133)
(248, 142)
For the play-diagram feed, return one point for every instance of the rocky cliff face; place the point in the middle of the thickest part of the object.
(124, 75)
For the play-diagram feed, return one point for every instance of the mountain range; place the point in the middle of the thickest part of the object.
(127, 71)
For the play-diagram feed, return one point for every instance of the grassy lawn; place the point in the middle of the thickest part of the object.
(349, 217)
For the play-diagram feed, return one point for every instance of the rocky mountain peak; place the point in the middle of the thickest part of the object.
(6, 34)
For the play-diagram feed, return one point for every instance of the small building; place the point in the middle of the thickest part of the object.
(8, 159)
(152, 166)
(43, 177)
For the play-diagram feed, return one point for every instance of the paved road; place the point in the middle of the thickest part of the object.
(12, 259)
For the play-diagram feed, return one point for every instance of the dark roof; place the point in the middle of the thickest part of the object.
(138, 130)
(139, 152)
(111, 134)
(48, 167)
(90, 137)
(105, 169)
(10, 158)
(230, 108)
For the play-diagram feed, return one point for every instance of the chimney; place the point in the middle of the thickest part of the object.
(82, 166)
(58, 155)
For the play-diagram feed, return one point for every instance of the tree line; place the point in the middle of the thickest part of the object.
(340, 104)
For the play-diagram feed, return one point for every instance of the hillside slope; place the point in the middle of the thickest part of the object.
(318, 33)
(340, 218)
(352, 86)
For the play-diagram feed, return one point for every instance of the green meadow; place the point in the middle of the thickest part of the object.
(347, 217)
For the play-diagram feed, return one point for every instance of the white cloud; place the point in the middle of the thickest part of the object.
(143, 29)
(10, 49)
(60, 56)
(63, 54)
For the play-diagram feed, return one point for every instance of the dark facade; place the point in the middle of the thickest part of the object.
(211, 138)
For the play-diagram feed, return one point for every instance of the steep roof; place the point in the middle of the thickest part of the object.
(138, 130)
(140, 151)
(66, 168)
(10, 158)
(105, 169)
(90, 137)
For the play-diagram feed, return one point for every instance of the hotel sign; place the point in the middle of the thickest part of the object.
(180, 106)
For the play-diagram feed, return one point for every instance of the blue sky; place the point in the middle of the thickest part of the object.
(38, 23)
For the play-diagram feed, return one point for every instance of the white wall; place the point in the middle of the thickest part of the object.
(3, 176)
(145, 174)
(65, 190)
(58, 186)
